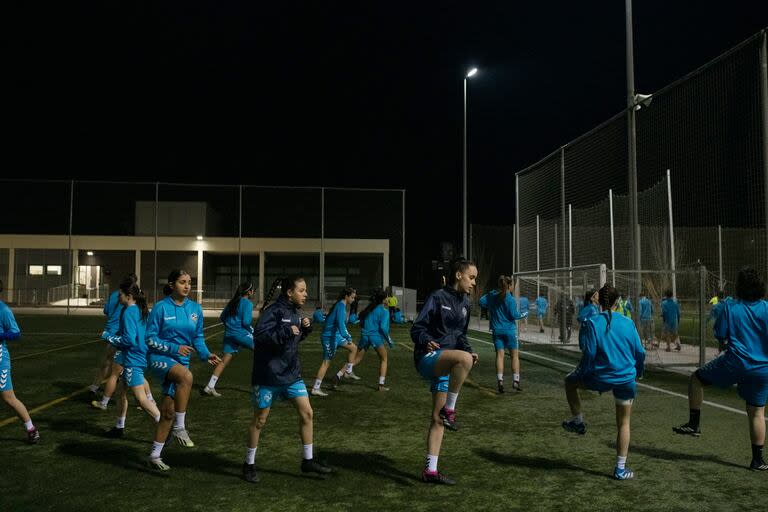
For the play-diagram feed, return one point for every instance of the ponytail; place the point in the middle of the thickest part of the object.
(376, 299)
(504, 283)
(231, 308)
(607, 296)
(271, 293)
(134, 291)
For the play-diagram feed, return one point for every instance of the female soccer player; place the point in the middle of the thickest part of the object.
(646, 320)
(503, 312)
(743, 323)
(670, 313)
(277, 372)
(612, 359)
(443, 355)
(237, 318)
(542, 304)
(375, 332)
(9, 331)
(130, 339)
(335, 335)
(524, 308)
(174, 332)
(590, 306)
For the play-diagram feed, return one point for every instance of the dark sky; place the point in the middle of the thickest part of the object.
(365, 94)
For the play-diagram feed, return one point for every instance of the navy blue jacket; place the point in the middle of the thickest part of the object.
(276, 348)
(444, 320)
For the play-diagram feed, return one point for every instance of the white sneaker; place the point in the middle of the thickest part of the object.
(211, 392)
(182, 437)
(351, 376)
(158, 464)
(99, 405)
(318, 392)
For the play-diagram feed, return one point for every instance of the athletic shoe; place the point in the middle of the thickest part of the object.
(93, 395)
(667, 349)
(158, 464)
(687, 429)
(382, 387)
(449, 419)
(182, 437)
(516, 386)
(758, 465)
(115, 433)
(623, 474)
(351, 376)
(250, 474)
(211, 392)
(500, 386)
(312, 466)
(436, 478)
(577, 428)
(318, 392)
(336, 382)
(541, 331)
(678, 348)
(98, 405)
(33, 436)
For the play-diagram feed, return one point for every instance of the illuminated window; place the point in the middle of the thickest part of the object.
(35, 270)
(53, 270)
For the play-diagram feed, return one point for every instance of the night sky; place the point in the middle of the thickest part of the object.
(356, 94)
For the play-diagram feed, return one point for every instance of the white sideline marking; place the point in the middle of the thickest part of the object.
(654, 388)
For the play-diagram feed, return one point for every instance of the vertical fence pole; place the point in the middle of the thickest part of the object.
(613, 239)
(702, 319)
(570, 251)
(517, 219)
(764, 102)
(240, 237)
(720, 284)
(71, 261)
(671, 235)
(632, 145)
(322, 248)
(154, 271)
(403, 249)
(538, 261)
(514, 246)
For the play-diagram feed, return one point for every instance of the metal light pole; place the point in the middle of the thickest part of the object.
(472, 72)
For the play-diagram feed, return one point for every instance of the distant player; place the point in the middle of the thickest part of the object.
(589, 306)
(744, 324)
(335, 335)
(670, 314)
(612, 359)
(503, 313)
(646, 320)
(375, 333)
(542, 304)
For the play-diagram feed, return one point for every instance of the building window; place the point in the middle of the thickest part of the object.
(53, 270)
(35, 270)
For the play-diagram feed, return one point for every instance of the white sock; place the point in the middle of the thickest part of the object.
(620, 461)
(516, 377)
(450, 402)
(250, 455)
(212, 382)
(157, 449)
(308, 451)
(432, 463)
(93, 387)
(499, 376)
(150, 397)
(340, 373)
(179, 423)
(578, 419)
(28, 425)
(381, 380)
(317, 384)
(120, 422)
(105, 400)
(348, 369)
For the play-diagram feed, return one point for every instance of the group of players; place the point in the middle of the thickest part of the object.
(165, 339)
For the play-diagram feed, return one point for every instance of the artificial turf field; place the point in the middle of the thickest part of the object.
(510, 453)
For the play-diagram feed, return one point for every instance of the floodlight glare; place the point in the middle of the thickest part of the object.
(472, 72)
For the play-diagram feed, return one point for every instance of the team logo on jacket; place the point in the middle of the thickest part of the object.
(463, 311)
(193, 316)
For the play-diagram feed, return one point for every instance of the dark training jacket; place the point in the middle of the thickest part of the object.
(276, 348)
(444, 320)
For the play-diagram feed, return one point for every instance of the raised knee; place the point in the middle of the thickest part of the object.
(186, 379)
(168, 414)
(307, 416)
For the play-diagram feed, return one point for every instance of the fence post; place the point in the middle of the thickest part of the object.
(603, 275)
(321, 277)
(702, 319)
(720, 283)
(764, 102)
(240, 235)
(671, 235)
(517, 219)
(538, 261)
(613, 240)
(71, 261)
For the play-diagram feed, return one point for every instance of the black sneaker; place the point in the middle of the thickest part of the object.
(312, 466)
(500, 385)
(449, 419)
(758, 465)
(115, 433)
(336, 382)
(576, 428)
(250, 474)
(33, 436)
(516, 386)
(687, 430)
(436, 478)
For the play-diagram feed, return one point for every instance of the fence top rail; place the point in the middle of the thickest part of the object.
(668, 271)
(558, 269)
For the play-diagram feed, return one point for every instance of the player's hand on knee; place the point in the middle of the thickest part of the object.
(475, 358)
(185, 350)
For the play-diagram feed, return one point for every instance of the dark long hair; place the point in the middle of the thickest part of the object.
(132, 289)
(588, 296)
(284, 284)
(749, 286)
(376, 299)
(607, 296)
(458, 265)
(172, 278)
(231, 308)
(504, 283)
(343, 294)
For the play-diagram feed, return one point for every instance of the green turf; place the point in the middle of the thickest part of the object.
(511, 452)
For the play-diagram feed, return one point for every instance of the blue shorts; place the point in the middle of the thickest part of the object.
(233, 344)
(540, 316)
(426, 369)
(669, 329)
(6, 384)
(160, 366)
(725, 371)
(118, 359)
(133, 376)
(503, 341)
(367, 342)
(623, 391)
(330, 346)
(263, 396)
